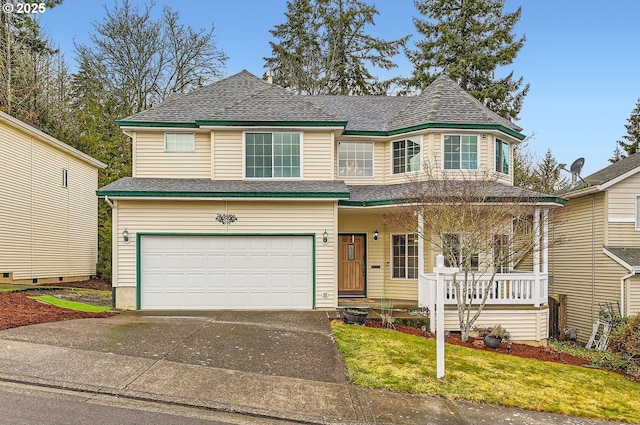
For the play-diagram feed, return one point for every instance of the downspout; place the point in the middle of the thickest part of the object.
(623, 279)
(113, 253)
(108, 201)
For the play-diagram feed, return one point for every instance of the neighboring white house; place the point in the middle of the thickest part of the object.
(48, 207)
(246, 196)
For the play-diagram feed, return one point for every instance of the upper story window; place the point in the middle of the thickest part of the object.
(272, 155)
(460, 152)
(179, 142)
(355, 159)
(406, 156)
(502, 156)
(405, 256)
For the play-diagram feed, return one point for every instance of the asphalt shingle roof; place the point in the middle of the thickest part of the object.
(132, 186)
(630, 255)
(608, 173)
(245, 97)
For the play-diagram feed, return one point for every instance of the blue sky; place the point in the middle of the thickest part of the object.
(581, 59)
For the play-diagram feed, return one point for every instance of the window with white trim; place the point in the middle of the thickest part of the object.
(460, 152)
(179, 142)
(456, 254)
(502, 156)
(404, 256)
(406, 156)
(355, 159)
(269, 155)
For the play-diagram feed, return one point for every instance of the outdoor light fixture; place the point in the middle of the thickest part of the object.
(376, 235)
(125, 236)
(325, 237)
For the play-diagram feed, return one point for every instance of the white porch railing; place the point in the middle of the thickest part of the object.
(518, 288)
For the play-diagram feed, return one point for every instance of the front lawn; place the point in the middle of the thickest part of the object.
(381, 358)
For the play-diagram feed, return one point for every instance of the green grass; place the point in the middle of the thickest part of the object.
(381, 358)
(71, 305)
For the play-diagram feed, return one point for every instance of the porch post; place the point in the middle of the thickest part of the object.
(536, 258)
(545, 241)
(420, 244)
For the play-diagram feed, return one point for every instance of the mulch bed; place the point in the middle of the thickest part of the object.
(17, 309)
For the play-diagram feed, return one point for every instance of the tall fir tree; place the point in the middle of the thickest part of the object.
(323, 48)
(468, 40)
(632, 144)
(548, 176)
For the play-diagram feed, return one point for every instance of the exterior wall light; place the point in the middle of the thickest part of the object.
(325, 237)
(376, 235)
(125, 236)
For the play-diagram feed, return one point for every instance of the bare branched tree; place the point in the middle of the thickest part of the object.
(481, 225)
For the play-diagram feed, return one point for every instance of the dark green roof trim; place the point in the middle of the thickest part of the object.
(388, 202)
(159, 194)
(271, 123)
(498, 127)
(157, 124)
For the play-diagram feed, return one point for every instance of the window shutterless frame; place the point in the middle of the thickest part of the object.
(179, 142)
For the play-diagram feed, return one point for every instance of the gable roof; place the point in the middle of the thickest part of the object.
(244, 99)
(628, 257)
(608, 176)
(49, 140)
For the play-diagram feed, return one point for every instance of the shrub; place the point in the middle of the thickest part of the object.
(626, 341)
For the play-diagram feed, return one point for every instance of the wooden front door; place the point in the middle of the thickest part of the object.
(351, 265)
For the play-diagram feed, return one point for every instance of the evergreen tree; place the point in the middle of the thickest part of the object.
(617, 155)
(548, 176)
(468, 40)
(632, 144)
(323, 49)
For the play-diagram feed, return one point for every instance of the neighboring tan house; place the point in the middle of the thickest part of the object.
(48, 207)
(597, 265)
(246, 196)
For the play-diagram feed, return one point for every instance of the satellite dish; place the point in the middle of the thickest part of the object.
(577, 165)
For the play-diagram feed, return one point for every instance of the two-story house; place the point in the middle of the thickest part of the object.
(246, 196)
(48, 207)
(598, 263)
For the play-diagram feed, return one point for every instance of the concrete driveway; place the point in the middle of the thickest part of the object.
(294, 344)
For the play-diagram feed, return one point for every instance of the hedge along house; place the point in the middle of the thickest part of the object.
(246, 196)
(48, 207)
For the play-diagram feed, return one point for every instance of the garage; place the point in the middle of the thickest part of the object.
(225, 272)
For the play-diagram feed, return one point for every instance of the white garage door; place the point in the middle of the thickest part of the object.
(226, 272)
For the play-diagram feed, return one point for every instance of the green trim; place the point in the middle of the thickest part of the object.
(247, 123)
(437, 125)
(124, 123)
(138, 259)
(506, 199)
(158, 194)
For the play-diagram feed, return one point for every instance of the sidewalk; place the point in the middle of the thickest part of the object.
(229, 390)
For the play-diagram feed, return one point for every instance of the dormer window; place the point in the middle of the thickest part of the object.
(179, 142)
(269, 155)
(502, 156)
(460, 152)
(406, 156)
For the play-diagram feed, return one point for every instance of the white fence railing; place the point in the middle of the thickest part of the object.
(520, 288)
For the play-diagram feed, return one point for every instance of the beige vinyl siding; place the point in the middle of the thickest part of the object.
(579, 268)
(622, 199)
(227, 155)
(632, 296)
(524, 325)
(151, 160)
(318, 156)
(622, 234)
(199, 217)
(380, 284)
(47, 230)
(15, 208)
